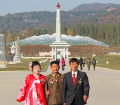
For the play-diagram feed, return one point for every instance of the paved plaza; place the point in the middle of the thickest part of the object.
(104, 83)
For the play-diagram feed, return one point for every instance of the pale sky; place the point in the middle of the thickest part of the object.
(15, 6)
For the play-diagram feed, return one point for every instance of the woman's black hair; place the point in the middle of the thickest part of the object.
(34, 63)
(54, 62)
(73, 60)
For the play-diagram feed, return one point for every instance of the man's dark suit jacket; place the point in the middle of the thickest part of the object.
(75, 93)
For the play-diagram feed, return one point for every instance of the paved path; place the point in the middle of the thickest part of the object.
(105, 86)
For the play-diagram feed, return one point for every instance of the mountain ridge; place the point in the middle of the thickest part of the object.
(95, 7)
(20, 21)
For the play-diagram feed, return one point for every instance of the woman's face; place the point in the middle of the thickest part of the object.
(36, 69)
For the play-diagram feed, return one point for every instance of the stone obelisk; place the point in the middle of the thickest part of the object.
(3, 62)
(58, 24)
(18, 50)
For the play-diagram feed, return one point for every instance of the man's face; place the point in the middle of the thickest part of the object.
(55, 68)
(74, 66)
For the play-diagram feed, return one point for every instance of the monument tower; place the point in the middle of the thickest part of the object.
(59, 47)
(58, 25)
(15, 51)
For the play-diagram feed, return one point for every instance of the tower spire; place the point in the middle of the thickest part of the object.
(58, 24)
(58, 5)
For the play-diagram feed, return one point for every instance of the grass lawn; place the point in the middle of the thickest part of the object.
(23, 66)
(114, 61)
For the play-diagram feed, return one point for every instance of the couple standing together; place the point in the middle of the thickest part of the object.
(71, 88)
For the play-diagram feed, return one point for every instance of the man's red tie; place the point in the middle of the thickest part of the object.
(74, 79)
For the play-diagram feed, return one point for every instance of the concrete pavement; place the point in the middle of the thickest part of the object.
(104, 83)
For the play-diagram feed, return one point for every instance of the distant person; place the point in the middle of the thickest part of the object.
(54, 85)
(88, 63)
(76, 85)
(32, 91)
(94, 63)
(62, 63)
(81, 63)
(59, 56)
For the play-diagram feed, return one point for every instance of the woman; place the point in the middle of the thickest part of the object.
(32, 91)
(63, 63)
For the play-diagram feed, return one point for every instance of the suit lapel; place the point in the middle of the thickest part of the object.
(78, 77)
(70, 79)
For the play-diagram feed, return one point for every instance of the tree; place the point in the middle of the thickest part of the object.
(9, 37)
(70, 31)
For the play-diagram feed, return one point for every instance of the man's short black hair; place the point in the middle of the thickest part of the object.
(73, 60)
(54, 62)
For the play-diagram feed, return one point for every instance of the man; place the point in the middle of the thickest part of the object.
(94, 63)
(81, 63)
(88, 63)
(54, 85)
(76, 85)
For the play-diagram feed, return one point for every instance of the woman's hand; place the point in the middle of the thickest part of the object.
(48, 93)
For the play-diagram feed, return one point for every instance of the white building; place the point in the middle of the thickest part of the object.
(59, 48)
(114, 53)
